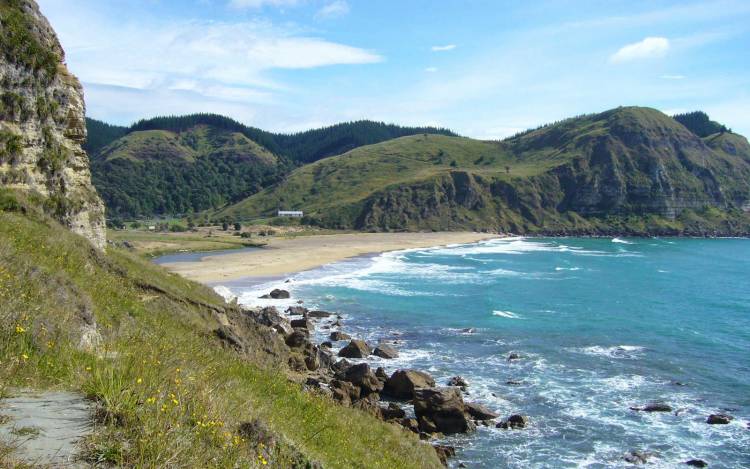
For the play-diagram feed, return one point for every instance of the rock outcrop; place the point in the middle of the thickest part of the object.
(42, 123)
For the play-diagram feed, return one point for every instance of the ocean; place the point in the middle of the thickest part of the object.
(601, 325)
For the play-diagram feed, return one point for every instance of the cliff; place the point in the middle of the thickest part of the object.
(42, 123)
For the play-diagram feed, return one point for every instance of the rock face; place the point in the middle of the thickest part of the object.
(403, 383)
(442, 409)
(355, 349)
(42, 124)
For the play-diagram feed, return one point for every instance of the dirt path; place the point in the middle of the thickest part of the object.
(45, 427)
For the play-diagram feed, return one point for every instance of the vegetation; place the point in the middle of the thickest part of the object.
(100, 134)
(175, 165)
(556, 179)
(19, 44)
(167, 393)
(699, 123)
(10, 146)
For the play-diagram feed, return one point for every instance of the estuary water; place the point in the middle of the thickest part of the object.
(601, 325)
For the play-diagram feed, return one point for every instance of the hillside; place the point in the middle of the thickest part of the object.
(175, 165)
(163, 172)
(628, 170)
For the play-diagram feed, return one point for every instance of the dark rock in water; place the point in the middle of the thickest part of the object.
(444, 453)
(296, 311)
(468, 330)
(392, 412)
(381, 374)
(385, 351)
(318, 314)
(654, 407)
(338, 323)
(458, 381)
(326, 344)
(678, 383)
(461, 464)
(344, 392)
(403, 383)
(480, 412)
(511, 382)
(228, 335)
(637, 457)
(514, 421)
(265, 297)
(338, 335)
(296, 339)
(514, 356)
(278, 294)
(719, 419)
(299, 302)
(697, 463)
(444, 407)
(304, 324)
(362, 376)
(410, 424)
(356, 349)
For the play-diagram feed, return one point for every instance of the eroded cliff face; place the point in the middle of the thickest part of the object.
(42, 124)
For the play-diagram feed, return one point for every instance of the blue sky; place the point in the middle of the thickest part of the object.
(485, 69)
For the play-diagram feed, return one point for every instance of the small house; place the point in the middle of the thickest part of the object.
(290, 213)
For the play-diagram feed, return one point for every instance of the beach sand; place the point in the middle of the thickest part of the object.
(289, 255)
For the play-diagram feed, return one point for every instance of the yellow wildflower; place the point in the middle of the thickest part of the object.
(139, 381)
(24, 356)
(20, 330)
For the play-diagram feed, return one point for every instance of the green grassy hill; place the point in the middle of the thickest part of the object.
(140, 342)
(627, 170)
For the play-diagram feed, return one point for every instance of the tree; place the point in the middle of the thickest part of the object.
(237, 226)
(454, 164)
(135, 225)
(225, 226)
(507, 169)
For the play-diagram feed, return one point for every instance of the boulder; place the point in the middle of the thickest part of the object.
(480, 412)
(637, 457)
(392, 412)
(458, 382)
(355, 349)
(696, 463)
(278, 294)
(362, 376)
(256, 432)
(312, 362)
(410, 424)
(444, 453)
(344, 392)
(514, 421)
(297, 363)
(296, 339)
(514, 356)
(326, 344)
(229, 336)
(403, 383)
(654, 407)
(381, 374)
(719, 419)
(296, 311)
(340, 365)
(303, 323)
(445, 407)
(318, 314)
(338, 335)
(385, 351)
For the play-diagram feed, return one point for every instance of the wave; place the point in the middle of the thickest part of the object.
(506, 314)
(620, 241)
(567, 268)
(616, 351)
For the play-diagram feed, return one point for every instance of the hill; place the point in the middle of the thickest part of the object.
(629, 170)
(179, 164)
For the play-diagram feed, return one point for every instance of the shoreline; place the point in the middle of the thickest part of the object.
(287, 256)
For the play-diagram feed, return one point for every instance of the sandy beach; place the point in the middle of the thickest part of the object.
(288, 255)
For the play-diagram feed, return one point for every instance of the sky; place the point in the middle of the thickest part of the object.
(485, 69)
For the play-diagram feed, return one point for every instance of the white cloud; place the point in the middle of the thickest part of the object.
(649, 48)
(672, 77)
(444, 48)
(261, 3)
(333, 10)
(431, 69)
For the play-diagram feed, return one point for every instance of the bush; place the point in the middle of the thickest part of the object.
(177, 228)
(246, 234)
(10, 146)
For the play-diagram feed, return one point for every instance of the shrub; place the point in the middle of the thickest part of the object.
(10, 146)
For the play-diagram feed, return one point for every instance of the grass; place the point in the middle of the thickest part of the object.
(167, 393)
(25, 432)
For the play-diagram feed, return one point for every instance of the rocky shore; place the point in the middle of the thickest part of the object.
(339, 367)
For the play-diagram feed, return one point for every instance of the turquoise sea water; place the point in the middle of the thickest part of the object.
(601, 325)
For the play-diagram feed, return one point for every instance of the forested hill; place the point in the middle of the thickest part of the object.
(181, 164)
(629, 170)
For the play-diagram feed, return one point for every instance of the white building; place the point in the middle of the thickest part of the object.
(290, 213)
